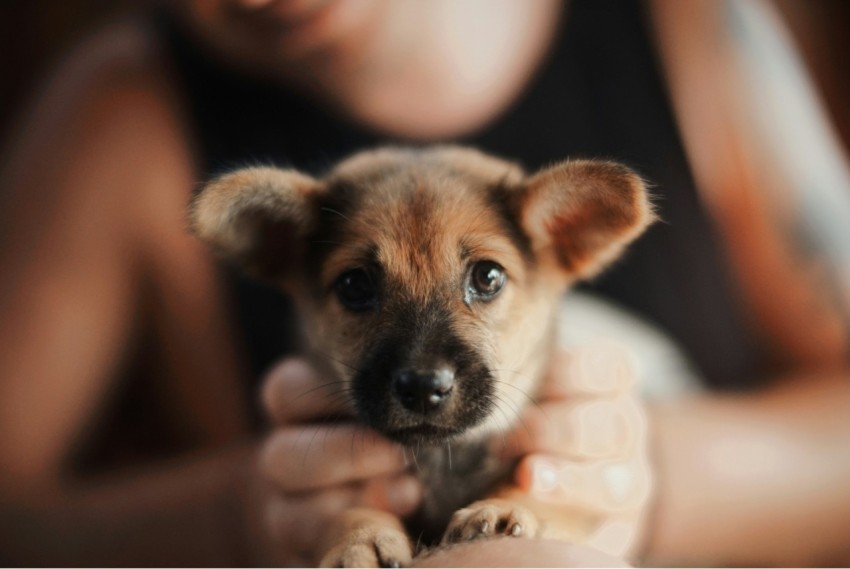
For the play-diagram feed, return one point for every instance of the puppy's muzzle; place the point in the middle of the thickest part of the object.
(423, 391)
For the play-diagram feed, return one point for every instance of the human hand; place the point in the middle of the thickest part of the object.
(310, 471)
(584, 446)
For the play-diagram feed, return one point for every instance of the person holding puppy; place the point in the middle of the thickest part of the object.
(101, 272)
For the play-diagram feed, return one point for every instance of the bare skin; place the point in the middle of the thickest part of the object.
(384, 63)
(88, 214)
(88, 218)
(742, 490)
(507, 552)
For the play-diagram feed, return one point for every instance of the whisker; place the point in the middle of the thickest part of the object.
(531, 399)
(343, 398)
(312, 389)
(325, 439)
(344, 390)
(357, 431)
(413, 453)
(339, 361)
(516, 412)
(328, 432)
(503, 431)
(331, 210)
(506, 403)
(307, 450)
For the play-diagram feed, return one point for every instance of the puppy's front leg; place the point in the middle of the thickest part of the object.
(492, 517)
(363, 537)
(514, 513)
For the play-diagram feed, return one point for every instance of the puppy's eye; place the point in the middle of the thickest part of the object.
(486, 279)
(356, 290)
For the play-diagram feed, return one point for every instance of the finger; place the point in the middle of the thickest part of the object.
(400, 494)
(604, 368)
(585, 430)
(318, 456)
(296, 523)
(293, 392)
(604, 487)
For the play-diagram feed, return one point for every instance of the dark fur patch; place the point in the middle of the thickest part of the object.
(420, 336)
(280, 250)
(504, 202)
(453, 476)
(333, 209)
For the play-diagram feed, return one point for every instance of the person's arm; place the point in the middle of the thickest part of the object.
(186, 514)
(755, 479)
(761, 478)
(83, 189)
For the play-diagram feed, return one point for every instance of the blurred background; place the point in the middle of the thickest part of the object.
(37, 34)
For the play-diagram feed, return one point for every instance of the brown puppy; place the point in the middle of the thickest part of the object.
(428, 282)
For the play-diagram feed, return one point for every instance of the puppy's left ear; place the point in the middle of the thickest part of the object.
(257, 218)
(584, 213)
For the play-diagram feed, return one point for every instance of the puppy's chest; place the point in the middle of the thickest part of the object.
(452, 478)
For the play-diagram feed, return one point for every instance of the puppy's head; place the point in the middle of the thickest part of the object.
(427, 279)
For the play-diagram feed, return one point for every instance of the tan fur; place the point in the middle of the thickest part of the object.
(423, 216)
(589, 226)
(367, 538)
(491, 518)
(232, 211)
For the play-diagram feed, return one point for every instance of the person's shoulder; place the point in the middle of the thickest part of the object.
(124, 54)
(115, 76)
(110, 99)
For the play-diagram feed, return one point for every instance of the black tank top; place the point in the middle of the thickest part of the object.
(598, 94)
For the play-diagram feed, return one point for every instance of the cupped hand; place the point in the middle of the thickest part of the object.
(584, 446)
(312, 469)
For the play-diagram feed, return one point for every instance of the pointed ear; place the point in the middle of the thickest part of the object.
(584, 212)
(256, 217)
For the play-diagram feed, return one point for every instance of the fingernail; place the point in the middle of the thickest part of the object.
(297, 370)
(619, 481)
(554, 479)
(403, 495)
(289, 375)
(544, 478)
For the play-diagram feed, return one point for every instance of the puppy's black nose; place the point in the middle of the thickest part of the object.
(423, 391)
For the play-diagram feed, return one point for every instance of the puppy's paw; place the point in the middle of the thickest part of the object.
(371, 546)
(491, 518)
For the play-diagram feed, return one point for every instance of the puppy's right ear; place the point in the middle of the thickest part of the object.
(583, 213)
(256, 217)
